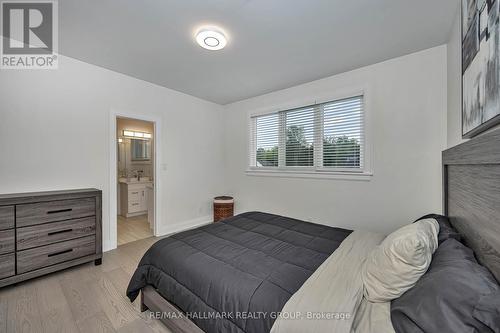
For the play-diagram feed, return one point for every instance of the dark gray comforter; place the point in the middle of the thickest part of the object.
(235, 275)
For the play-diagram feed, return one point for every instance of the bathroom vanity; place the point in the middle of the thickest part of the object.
(133, 196)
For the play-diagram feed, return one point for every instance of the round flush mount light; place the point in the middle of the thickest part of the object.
(211, 38)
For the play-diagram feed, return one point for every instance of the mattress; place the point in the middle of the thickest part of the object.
(237, 274)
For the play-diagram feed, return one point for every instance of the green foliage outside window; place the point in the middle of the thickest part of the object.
(338, 151)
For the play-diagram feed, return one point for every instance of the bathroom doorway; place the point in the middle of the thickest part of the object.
(135, 179)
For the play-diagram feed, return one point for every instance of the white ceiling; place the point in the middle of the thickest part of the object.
(273, 44)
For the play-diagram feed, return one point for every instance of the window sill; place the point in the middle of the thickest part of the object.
(359, 176)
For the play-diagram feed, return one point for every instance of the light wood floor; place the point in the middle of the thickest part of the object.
(133, 228)
(85, 298)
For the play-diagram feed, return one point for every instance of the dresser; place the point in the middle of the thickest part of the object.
(44, 232)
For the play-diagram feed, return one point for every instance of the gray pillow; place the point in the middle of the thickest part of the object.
(444, 299)
(446, 230)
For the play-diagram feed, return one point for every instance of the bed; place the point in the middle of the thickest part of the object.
(249, 263)
(257, 263)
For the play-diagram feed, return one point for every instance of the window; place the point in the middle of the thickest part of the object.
(322, 137)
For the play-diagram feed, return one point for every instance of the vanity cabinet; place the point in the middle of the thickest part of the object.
(44, 232)
(133, 198)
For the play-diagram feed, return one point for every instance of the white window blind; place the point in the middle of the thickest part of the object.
(343, 134)
(267, 140)
(322, 137)
(299, 137)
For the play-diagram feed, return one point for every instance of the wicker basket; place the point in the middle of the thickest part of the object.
(223, 207)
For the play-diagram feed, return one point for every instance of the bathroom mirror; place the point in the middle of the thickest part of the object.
(140, 150)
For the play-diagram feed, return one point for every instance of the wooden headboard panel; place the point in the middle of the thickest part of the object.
(471, 175)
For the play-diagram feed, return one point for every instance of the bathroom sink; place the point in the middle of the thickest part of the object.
(134, 180)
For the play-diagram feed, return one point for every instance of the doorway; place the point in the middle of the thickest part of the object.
(135, 181)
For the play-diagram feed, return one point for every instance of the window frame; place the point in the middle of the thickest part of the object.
(363, 173)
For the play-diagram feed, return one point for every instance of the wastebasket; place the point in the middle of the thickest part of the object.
(223, 207)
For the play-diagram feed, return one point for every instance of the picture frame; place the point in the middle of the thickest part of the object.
(480, 40)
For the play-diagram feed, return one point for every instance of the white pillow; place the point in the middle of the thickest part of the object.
(400, 260)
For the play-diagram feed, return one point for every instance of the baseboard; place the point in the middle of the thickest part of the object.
(183, 226)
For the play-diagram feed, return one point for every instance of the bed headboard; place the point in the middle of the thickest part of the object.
(471, 175)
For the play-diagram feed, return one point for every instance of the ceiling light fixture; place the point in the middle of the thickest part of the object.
(211, 38)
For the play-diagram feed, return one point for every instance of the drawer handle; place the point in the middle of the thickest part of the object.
(59, 232)
(59, 211)
(59, 253)
(135, 192)
(135, 204)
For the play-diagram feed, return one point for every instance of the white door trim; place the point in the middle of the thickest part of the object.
(113, 195)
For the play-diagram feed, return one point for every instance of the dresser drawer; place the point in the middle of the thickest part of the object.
(49, 233)
(29, 260)
(43, 212)
(7, 265)
(6, 217)
(7, 241)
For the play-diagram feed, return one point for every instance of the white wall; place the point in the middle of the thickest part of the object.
(408, 103)
(54, 134)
